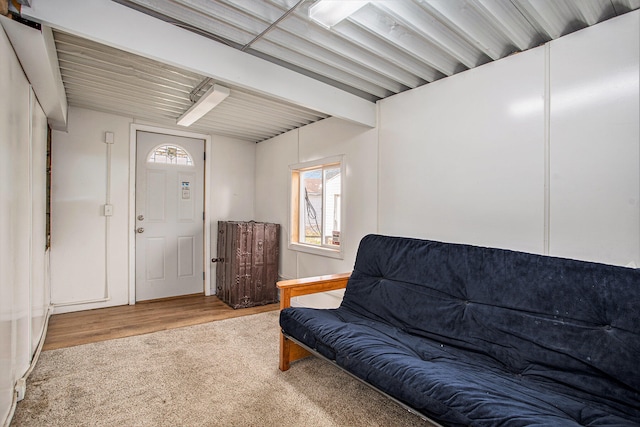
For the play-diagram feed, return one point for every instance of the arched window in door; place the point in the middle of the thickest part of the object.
(170, 155)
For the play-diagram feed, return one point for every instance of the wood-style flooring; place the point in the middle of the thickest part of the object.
(83, 327)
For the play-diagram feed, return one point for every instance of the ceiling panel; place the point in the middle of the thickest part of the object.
(386, 47)
(102, 78)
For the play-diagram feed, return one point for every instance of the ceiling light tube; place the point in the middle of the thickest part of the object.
(206, 103)
(331, 12)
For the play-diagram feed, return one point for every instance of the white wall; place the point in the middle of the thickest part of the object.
(78, 254)
(458, 164)
(468, 158)
(594, 133)
(273, 158)
(232, 186)
(327, 138)
(232, 179)
(23, 294)
(78, 227)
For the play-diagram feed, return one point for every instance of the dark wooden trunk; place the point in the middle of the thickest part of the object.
(247, 269)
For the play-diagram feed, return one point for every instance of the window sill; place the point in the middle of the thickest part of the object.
(317, 250)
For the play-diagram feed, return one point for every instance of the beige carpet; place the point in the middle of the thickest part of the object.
(217, 374)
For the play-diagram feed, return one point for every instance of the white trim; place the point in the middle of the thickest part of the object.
(133, 144)
(316, 250)
(32, 103)
(547, 149)
(315, 163)
(207, 216)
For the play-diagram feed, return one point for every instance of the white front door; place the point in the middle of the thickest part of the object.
(169, 216)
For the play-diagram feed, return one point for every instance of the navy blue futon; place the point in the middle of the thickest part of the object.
(479, 336)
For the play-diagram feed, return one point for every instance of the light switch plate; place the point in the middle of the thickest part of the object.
(108, 137)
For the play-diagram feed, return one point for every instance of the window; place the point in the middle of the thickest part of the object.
(316, 206)
(170, 154)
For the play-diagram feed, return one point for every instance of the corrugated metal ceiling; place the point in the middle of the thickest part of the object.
(386, 47)
(102, 78)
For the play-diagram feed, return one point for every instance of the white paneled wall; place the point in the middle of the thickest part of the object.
(464, 159)
(14, 278)
(460, 161)
(23, 293)
(594, 134)
(40, 286)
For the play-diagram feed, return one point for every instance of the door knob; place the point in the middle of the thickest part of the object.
(139, 230)
(140, 217)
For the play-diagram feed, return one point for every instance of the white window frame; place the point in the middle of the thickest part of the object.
(332, 251)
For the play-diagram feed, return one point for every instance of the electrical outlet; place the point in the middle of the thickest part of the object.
(21, 388)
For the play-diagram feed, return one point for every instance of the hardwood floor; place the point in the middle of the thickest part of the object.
(83, 327)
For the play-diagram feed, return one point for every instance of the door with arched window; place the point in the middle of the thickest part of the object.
(169, 224)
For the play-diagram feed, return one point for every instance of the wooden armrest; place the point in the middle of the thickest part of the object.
(310, 285)
(290, 351)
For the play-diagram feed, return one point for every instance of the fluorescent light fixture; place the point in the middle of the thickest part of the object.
(206, 103)
(331, 12)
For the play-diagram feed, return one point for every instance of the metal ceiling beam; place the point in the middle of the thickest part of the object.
(368, 40)
(244, 48)
(465, 19)
(302, 60)
(386, 27)
(415, 17)
(115, 25)
(505, 16)
(305, 37)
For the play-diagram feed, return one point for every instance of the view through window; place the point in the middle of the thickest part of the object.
(316, 205)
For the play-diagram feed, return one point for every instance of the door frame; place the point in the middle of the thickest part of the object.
(133, 146)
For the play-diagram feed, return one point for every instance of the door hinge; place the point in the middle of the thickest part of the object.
(203, 275)
(204, 156)
(203, 216)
